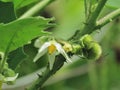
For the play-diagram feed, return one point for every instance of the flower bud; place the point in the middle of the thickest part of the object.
(86, 41)
(77, 49)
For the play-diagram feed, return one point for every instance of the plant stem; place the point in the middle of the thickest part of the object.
(36, 8)
(108, 18)
(39, 82)
(3, 63)
(59, 62)
(91, 22)
(6, 53)
(85, 4)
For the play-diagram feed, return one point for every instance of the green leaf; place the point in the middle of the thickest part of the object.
(21, 3)
(6, 12)
(59, 62)
(113, 4)
(6, 0)
(20, 32)
(15, 57)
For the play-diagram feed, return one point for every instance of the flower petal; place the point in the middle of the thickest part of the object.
(39, 55)
(51, 60)
(41, 51)
(61, 50)
(11, 78)
(44, 46)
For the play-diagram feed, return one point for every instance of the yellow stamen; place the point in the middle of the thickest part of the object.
(51, 48)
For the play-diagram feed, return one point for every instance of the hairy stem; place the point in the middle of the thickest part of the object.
(6, 53)
(36, 8)
(59, 62)
(91, 22)
(85, 4)
(108, 18)
(39, 82)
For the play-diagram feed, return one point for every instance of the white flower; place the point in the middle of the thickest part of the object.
(51, 47)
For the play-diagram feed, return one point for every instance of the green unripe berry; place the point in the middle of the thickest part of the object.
(94, 52)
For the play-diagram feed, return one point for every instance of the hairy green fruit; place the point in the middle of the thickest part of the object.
(91, 49)
(94, 52)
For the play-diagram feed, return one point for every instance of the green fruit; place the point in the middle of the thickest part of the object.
(94, 52)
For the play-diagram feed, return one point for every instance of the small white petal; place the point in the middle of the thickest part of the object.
(61, 50)
(41, 51)
(44, 46)
(66, 56)
(51, 60)
(39, 55)
(11, 78)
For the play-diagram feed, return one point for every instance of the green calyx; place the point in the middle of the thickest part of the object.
(86, 41)
(77, 49)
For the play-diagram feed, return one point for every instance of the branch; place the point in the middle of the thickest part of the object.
(108, 18)
(36, 8)
(39, 82)
(91, 22)
(59, 62)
